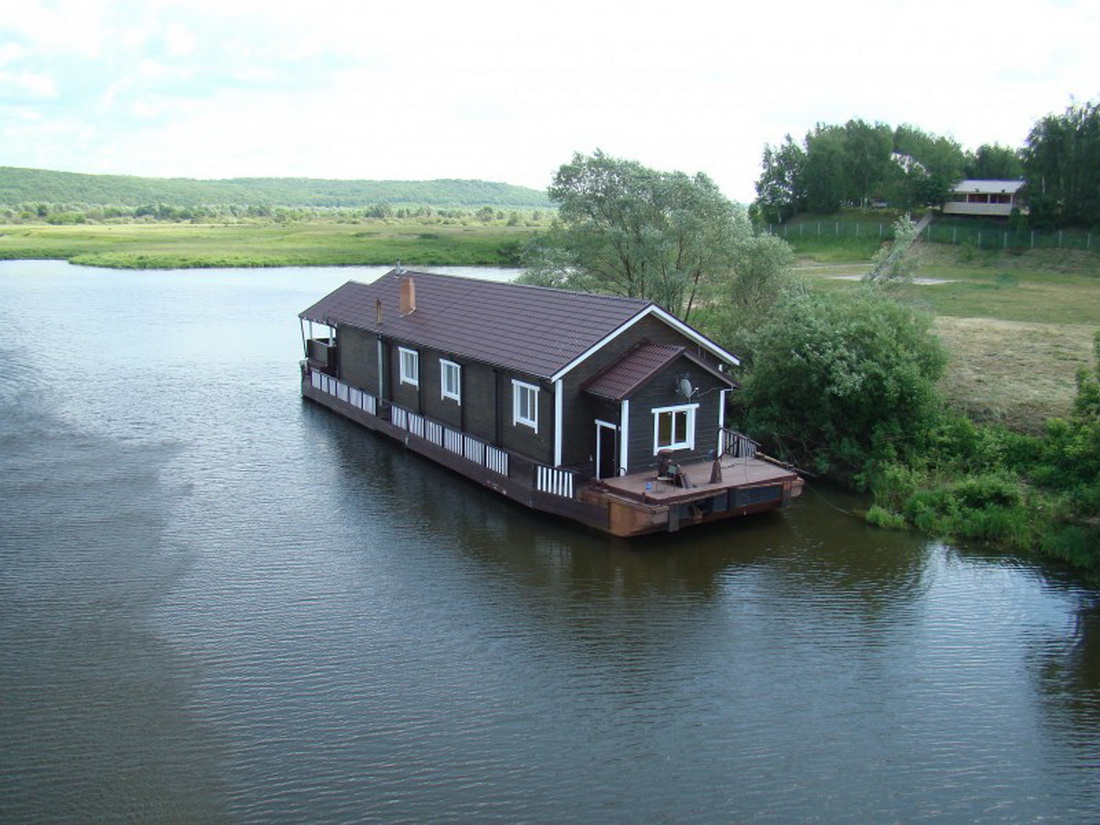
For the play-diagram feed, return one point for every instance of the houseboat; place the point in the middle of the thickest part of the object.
(601, 409)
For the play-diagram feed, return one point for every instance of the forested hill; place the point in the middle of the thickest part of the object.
(27, 186)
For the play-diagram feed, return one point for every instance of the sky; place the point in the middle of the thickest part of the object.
(510, 91)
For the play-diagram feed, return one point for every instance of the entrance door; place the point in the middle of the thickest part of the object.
(607, 465)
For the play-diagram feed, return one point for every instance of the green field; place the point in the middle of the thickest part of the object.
(1017, 326)
(315, 243)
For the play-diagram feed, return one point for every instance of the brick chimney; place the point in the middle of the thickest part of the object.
(407, 301)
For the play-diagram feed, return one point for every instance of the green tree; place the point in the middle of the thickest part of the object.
(628, 230)
(867, 151)
(779, 191)
(994, 162)
(823, 180)
(840, 380)
(1062, 161)
(939, 163)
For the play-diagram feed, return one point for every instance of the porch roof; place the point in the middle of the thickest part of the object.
(635, 369)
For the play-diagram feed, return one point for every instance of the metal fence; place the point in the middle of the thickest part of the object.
(980, 237)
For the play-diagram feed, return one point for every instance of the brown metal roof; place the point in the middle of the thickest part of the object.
(530, 329)
(633, 370)
(624, 377)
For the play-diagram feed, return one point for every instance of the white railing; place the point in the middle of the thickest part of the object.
(496, 459)
(344, 392)
(433, 431)
(452, 440)
(400, 418)
(471, 448)
(416, 424)
(554, 481)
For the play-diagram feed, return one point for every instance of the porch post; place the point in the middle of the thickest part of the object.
(624, 438)
(558, 417)
(721, 420)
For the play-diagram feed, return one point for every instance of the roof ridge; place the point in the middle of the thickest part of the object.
(514, 284)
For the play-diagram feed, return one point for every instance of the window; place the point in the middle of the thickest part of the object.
(525, 405)
(450, 380)
(410, 366)
(674, 428)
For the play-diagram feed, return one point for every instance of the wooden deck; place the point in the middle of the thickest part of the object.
(642, 503)
(736, 472)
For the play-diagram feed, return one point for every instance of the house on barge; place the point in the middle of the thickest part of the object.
(605, 410)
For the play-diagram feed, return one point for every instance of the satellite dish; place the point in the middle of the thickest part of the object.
(685, 388)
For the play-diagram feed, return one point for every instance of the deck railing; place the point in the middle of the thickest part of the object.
(471, 448)
(737, 445)
(553, 480)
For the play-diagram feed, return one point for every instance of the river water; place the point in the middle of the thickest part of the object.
(221, 603)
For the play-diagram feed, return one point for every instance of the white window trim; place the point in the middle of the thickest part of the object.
(518, 387)
(405, 377)
(444, 366)
(684, 445)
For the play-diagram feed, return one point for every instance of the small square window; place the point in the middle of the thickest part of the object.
(450, 380)
(525, 405)
(410, 366)
(674, 428)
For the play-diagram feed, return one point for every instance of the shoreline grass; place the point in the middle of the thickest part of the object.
(171, 246)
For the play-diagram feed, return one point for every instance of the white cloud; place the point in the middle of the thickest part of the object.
(26, 85)
(219, 88)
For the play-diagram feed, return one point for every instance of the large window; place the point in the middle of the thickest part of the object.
(674, 428)
(525, 405)
(410, 366)
(450, 380)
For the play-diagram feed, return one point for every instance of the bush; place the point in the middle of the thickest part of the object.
(839, 381)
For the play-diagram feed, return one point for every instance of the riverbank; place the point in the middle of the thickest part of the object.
(314, 243)
(1017, 326)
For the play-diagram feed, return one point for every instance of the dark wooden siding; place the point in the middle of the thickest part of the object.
(402, 394)
(660, 392)
(521, 438)
(358, 356)
(580, 410)
(435, 406)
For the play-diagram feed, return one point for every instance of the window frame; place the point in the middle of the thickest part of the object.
(521, 389)
(413, 362)
(446, 367)
(689, 410)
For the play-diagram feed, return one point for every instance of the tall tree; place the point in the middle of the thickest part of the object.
(1062, 161)
(867, 152)
(939, 163)
(824, 179)
(779, 192)
(629, 230)
(994, 162)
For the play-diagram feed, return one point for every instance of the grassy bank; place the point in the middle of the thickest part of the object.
(1017, 326)
(170, 245)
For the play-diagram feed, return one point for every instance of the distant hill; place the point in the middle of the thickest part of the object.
(23, 186)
